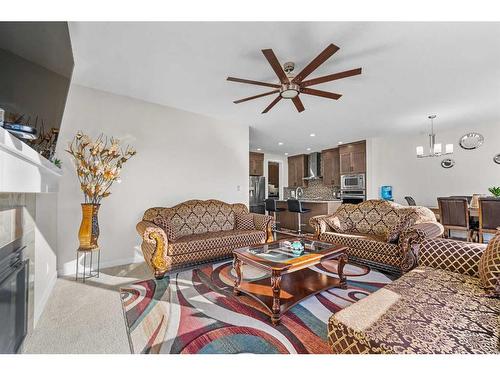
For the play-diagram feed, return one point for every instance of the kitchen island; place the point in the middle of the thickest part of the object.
(288, 220)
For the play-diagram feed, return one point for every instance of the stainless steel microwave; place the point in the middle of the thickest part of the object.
(352, 182)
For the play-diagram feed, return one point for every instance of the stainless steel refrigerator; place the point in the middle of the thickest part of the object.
(257, 194)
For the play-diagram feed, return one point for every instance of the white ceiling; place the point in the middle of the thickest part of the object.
(410, 70)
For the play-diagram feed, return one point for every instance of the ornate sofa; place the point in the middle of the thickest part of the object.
(198, 231)
(379, 233)
(449, 304)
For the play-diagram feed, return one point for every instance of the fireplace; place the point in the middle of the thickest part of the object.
(13, 297)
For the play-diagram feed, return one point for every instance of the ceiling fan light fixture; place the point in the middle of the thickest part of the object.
(289, 90)
(291, 85)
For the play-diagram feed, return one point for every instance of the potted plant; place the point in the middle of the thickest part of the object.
(495, 190)
(98, 164)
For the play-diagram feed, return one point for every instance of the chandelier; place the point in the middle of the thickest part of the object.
(435, 149)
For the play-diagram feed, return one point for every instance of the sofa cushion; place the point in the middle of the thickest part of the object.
(489, 267)
(427, 310)
(338, 225)
(164, 224)
(195, 216)
(374, 217)
(368, 242)
(380, 218)
(213, 240)
(244, 222)
(366, 247)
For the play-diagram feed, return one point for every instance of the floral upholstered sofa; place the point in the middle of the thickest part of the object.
(379, 233)
(449, 304)
(198, 231)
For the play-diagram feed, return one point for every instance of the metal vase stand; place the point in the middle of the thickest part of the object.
(89, 268)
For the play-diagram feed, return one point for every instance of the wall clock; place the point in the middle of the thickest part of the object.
(496, 158)
(471, 141)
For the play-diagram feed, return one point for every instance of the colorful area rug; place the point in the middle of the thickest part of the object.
(195, 312)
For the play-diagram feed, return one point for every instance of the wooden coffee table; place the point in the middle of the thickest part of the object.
(291, 280)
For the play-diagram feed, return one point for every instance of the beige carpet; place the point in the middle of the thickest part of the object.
(86, 318)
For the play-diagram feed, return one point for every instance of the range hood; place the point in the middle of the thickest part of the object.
(314, 166)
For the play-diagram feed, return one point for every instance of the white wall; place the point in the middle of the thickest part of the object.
(283, 175)
(180, 156)
(393, 161)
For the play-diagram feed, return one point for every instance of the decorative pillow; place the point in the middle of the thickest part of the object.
(395, 231)
(245, 222)
(338, 225)
(165, 225)
(489, 267)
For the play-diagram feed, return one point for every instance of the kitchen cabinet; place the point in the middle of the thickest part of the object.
(256, 164)
(331, 167)
(297, 170)
(353, 158)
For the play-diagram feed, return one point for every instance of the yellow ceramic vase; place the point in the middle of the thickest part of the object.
(89, 228)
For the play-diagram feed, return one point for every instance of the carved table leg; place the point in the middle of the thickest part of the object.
(237, 281)
(276, 286)
(340, 269)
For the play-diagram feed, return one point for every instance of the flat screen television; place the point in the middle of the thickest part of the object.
(36, 64)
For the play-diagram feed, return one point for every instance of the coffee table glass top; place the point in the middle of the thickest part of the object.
(281, 251)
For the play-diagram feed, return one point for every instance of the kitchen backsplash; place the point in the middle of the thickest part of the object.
(314, 190)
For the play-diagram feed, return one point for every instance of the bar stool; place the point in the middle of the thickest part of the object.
(272, 209)
(294, 205)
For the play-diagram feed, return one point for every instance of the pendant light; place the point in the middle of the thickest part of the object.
(435, 149)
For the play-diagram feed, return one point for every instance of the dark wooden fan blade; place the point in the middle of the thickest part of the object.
(241, 80)
(298, 103)
(317, 61)
(332, 77)
(273, 103)
(275, 64)
(256, 96)
(323, 94)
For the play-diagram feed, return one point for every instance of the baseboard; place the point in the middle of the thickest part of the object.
(69, 269)
(40, 306)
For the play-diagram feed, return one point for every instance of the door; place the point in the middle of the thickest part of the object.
(256, 164)
(345, 163)
(292, 173)
(353, 158)
(358, 162)
(331, 167)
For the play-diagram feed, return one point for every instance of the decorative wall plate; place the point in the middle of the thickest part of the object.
(496, 158)
(471, 141)
(447, 163)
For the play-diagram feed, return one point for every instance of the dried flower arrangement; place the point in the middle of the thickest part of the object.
(98, 164)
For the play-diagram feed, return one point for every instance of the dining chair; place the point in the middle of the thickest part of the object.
(489, 216)
(454, 215)
(468, 197)
(410, 201)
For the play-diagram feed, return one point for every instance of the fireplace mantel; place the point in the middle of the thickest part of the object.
(22, 169)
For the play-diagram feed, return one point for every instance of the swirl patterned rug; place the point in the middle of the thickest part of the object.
(195, 312)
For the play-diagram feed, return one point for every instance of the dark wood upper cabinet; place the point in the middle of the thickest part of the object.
(297, 170)
(256, 164)
(330, 167)
(353, 158)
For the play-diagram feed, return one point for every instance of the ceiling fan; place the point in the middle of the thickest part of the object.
(291, 85)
